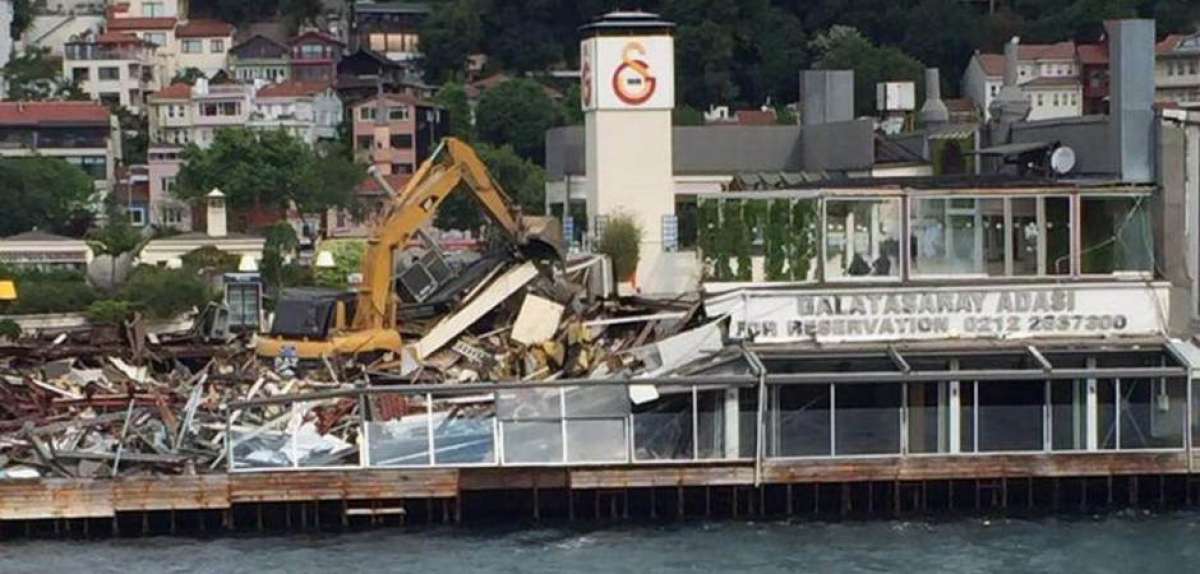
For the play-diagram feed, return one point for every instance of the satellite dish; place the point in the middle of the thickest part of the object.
(1062, 161)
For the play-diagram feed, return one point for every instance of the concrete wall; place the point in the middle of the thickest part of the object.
(1089, 136)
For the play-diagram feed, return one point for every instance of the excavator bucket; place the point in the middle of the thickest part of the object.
(542, 239)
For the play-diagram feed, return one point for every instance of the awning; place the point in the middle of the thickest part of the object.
(1013, 149)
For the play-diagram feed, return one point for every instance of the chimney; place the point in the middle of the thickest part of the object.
(1131, 97)
(934, 111)
(216, 213)
(1010, 105)
(827, 96)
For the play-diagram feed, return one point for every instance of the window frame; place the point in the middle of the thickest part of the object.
(902, 232)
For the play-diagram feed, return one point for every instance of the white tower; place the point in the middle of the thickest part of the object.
(6, 39)
(628, 92)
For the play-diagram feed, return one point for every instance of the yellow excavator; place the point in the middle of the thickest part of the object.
(311, 324)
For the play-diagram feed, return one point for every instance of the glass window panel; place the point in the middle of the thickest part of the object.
(1116, 234)
(1010, 415)
(662, 429)
(862, 238)
(1068, 415)
(1058, 235)
(748, 423)
(710, 417)
(1106, 415)
(928, 417)
(596, 440)
(867, 419)
(532, 403)
(1025, 232)
(597, 401)
(801, 424)
(966, 418)
(256, 445)
(1152, 413)
(463, 433)
(398, 432)
(533, 441)
(959, 236)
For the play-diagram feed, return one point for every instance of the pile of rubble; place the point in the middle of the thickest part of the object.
(132, 403)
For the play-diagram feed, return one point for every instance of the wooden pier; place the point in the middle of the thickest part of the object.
(323, 499)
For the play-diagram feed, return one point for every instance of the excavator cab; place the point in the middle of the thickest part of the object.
(312, 325)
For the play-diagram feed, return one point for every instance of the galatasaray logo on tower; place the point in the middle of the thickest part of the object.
(632, 81)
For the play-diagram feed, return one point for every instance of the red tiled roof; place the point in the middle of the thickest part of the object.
(318, 35)
(292, 89)
(1169, 44)
(756, 118)
(179, 91)
(117, 38)
(371, 187)
(204, 29)
(117, 24)
(36, 113)
(992, 64)
(1059, 51)
(1092, 54)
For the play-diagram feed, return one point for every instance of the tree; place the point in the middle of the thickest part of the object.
(573, 106)
(269, 169)
(188, 76)
(135, 136)
(41, 192)
(453, 97)
(451, 33)
(35, 75)
(522, 180)
(844, 48)
(22, 17)
(281, 241)
(704, 57)
(518, 113)
(297, 13)
(621, 241)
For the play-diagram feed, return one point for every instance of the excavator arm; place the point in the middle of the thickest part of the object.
(453, 166)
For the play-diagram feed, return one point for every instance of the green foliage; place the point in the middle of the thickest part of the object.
(347, 257)
(298, 13)
(41, 192)
(209, 259)
(785, 116)
(37, 295)
(164, 293)
(117, 236)
(573, 106)
(517, 112)
(22, 17)
(281, 241)
(775, 239)
(187, 76)
(844, 48)
(109, 312)
(269, 169)
(9, 329)
(35, 75)
(450, 34)
(453, 97)
(709, 237)
(687, 116)
(621, 241)
(135, 136)
(236, 11)
(521, 179)
(802, 247)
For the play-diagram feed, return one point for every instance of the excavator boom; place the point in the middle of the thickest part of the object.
(453, 166)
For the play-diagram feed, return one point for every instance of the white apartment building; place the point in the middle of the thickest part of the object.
(164, 162)
(310, 111)
(1177, 70)
(203, 45)
(181, 114)
(1048, 74)
(114, 68)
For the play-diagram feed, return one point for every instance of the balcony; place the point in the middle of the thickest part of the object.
(91, 52)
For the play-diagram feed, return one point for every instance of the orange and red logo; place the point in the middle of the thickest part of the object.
(632, 81)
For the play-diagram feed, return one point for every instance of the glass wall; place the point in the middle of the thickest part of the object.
(801, 422)
(862, 238)
(957, 236)
(1116, 234)
(867, 418)
(1010, 415)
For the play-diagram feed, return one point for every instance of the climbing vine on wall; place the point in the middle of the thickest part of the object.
(775, 239)
(802, 239)
(709, 219)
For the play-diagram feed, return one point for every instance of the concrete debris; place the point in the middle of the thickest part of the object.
(81, 405)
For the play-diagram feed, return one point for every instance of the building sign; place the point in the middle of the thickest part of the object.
(969, 312)
(627, 72)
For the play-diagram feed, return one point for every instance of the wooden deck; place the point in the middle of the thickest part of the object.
(40, 499)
